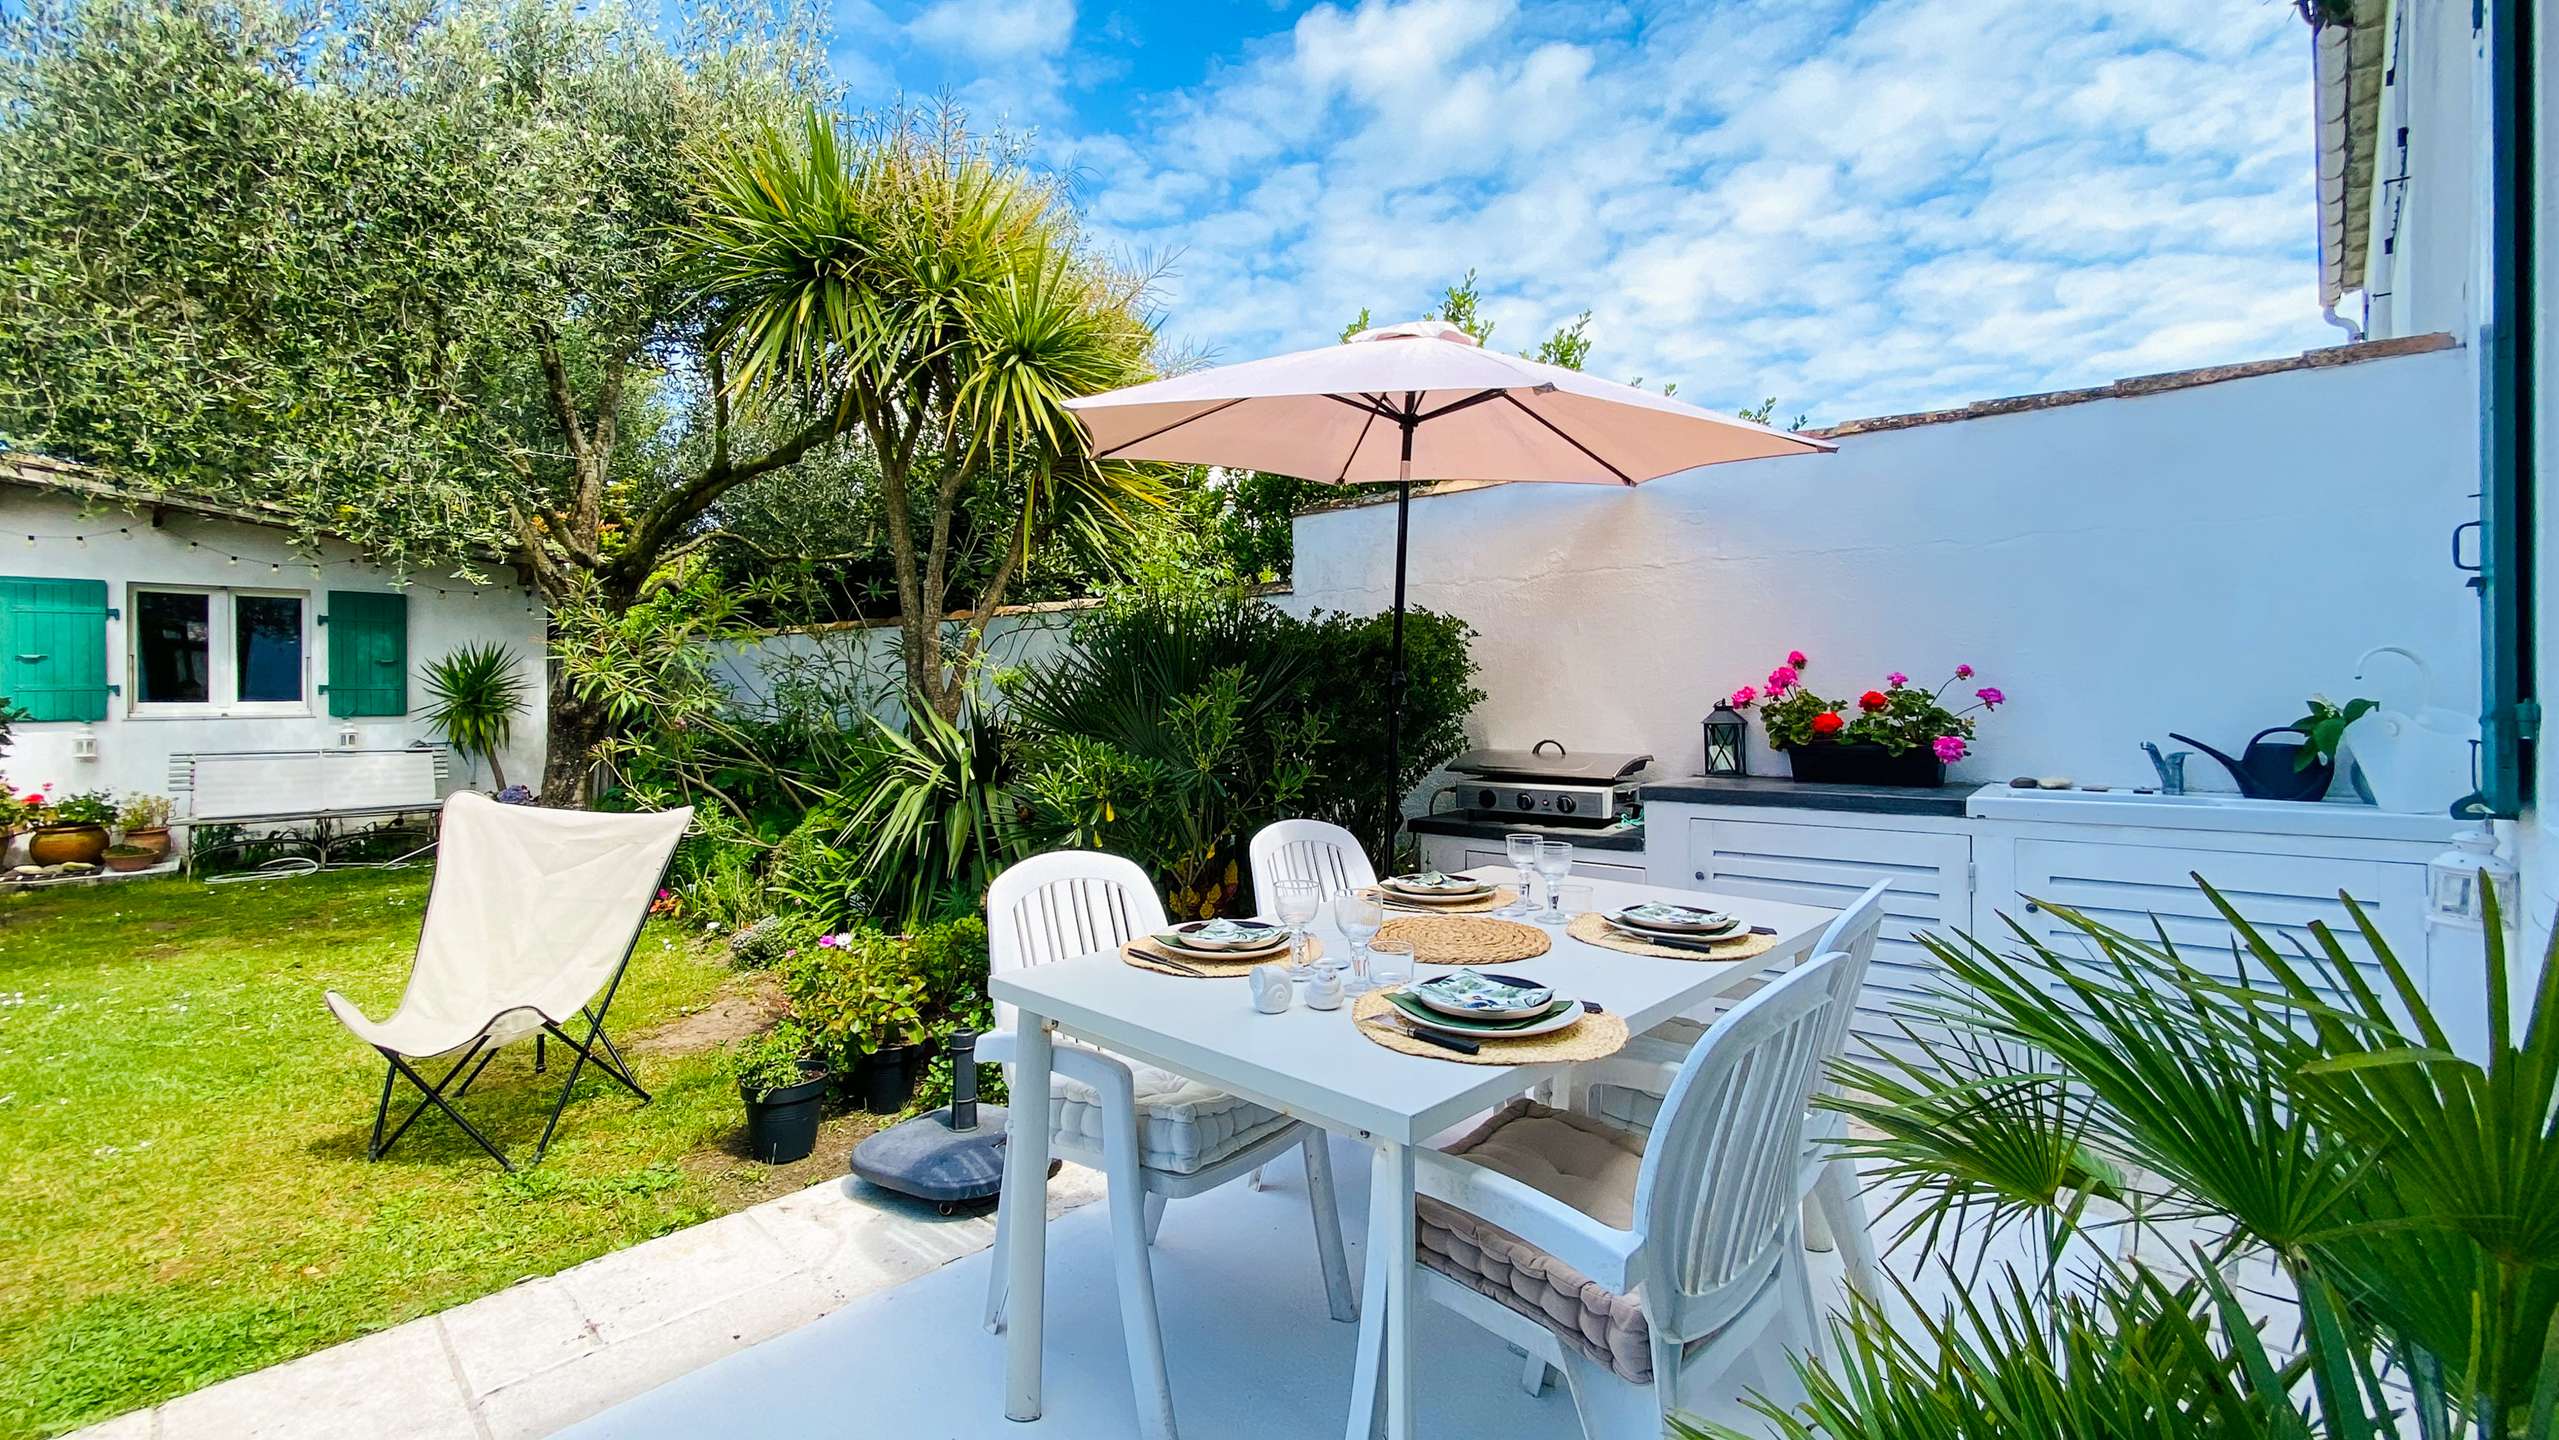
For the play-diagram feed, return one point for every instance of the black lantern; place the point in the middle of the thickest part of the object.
(1726, 734)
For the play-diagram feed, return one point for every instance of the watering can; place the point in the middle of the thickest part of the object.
(2269, 768)
(2413, 758)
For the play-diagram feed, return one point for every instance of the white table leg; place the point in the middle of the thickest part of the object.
(1386, 1306)
(1024, 1218)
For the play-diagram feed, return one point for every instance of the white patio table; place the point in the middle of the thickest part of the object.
(1313, 1065)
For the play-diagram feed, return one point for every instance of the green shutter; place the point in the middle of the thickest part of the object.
(55, 666)
(368, 653)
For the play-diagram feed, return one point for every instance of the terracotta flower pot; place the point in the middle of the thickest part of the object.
(153, 838)
(67, 844)
(125, 859)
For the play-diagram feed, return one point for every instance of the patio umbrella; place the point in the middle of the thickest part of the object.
(1421, 400)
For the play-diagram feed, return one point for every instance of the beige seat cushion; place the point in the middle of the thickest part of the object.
(1589, 1165)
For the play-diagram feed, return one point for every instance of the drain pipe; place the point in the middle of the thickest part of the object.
(2354, 332)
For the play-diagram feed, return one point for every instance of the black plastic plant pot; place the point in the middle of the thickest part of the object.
(1830, 763)
(885, 1080)
(781, 1125)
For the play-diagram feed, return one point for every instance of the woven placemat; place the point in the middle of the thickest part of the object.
(1466, 939)
(1501, 896)
(1592, 930)
(1596, 1038)
(1145, 954)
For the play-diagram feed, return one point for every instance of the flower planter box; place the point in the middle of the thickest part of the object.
(1914, 768)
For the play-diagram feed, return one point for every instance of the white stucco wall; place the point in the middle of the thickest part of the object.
(134, 750)
(2198, 560)
(861, 661)
(2423, 257)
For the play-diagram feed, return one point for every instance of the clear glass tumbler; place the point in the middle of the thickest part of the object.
(1571, 901)
(1390, 963)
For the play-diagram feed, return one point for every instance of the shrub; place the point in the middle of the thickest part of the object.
(780, 1057)
(928, 821)
(858, 993)
(144, 812)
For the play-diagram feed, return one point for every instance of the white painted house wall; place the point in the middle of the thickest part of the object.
(2200, 559)
(2422, 261)
(126, 550)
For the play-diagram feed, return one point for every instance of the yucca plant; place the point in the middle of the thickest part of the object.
(2298, 1116)
(478, 692)
(928, 817)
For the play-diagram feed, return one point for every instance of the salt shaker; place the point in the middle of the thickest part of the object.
(1324, 989)
(1272, 990)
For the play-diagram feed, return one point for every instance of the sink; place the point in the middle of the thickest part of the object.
(2228, 813)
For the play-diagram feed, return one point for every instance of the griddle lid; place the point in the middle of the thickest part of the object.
(1549, 760)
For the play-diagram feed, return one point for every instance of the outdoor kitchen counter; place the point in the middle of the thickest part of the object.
(1628, 838)
(1944, 800)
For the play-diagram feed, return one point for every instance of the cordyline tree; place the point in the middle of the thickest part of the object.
(933, 296)
(430, 275)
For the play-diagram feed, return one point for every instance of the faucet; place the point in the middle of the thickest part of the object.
(2171, 768)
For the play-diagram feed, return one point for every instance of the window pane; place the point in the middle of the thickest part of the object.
(172, 643)
(267, 634)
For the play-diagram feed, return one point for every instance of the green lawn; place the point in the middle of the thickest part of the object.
(183, 1190)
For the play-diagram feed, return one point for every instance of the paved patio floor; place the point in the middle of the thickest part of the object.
(546, 1353)
(1250, 1347)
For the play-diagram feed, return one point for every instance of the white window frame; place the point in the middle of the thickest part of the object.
(222, 667)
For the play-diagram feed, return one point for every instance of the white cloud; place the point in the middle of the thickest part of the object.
(997, 31)
(1857, 207)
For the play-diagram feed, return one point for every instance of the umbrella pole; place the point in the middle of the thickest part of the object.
(1395, 683)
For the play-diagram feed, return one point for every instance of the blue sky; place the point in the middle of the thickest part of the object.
(1858, 208)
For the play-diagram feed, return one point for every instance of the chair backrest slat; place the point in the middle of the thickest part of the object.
(1306, 850)
(1063, 904)
(1716, 1198)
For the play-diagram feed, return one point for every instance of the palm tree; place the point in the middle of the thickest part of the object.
(2408, 1194)
(478, 693)
(942, 304)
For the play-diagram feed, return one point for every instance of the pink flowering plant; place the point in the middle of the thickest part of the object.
(1900, 717)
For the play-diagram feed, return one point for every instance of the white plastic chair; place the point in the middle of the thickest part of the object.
(1713, 1259)
(1834, 1203)
(1069, 903)
(1306, 850)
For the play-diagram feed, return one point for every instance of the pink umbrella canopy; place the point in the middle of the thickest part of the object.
(1343, 414)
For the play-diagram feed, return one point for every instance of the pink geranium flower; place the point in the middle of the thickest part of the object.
(1897, 679)
(1795, 658)
(1949, 748)
(826, 942)
(1743, 697)
(1990, 697)
(1963, 672)
(1781, 678)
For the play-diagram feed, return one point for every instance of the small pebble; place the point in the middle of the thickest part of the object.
(2053, 782)
(2022, 782)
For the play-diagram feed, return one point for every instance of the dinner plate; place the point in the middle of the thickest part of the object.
(1172, 940)
(1229, 934)
(1432, 885)
(1676, 937)
(1671, 919)
(1560, 1015)
(1472, 994)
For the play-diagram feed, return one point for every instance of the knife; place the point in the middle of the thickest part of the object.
(1445, 1042)
(1169, 963)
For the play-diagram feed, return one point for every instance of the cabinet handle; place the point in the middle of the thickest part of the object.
(1701, 874)
(2034, 909)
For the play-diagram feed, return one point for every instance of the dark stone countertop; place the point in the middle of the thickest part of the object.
(1476, 826)
(1776, 791)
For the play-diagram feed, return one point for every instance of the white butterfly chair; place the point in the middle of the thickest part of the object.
(1834, 1203)
(1154, 1135)
(529, 924)
(1307, 850)
(1642, 1267)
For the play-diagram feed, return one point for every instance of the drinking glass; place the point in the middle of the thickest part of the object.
(1523, 852)
(1571, 900)
(1298, 902)
(1554, 861)
(1390, 962)
(1360, 917)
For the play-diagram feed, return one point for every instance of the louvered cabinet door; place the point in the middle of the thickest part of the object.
(1829, 866)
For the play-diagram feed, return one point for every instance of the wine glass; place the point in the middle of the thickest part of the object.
(1299, 900)
(1523, 853)
(1360, 918)
(1554, 861)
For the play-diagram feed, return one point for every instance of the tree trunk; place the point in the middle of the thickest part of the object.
(577, 726)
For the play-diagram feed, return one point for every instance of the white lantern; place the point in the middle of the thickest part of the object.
(84, 744)
(346, 737)
(2452, 879)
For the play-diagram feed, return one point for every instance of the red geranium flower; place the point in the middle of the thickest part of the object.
(1828, 723)
(1872, 701)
